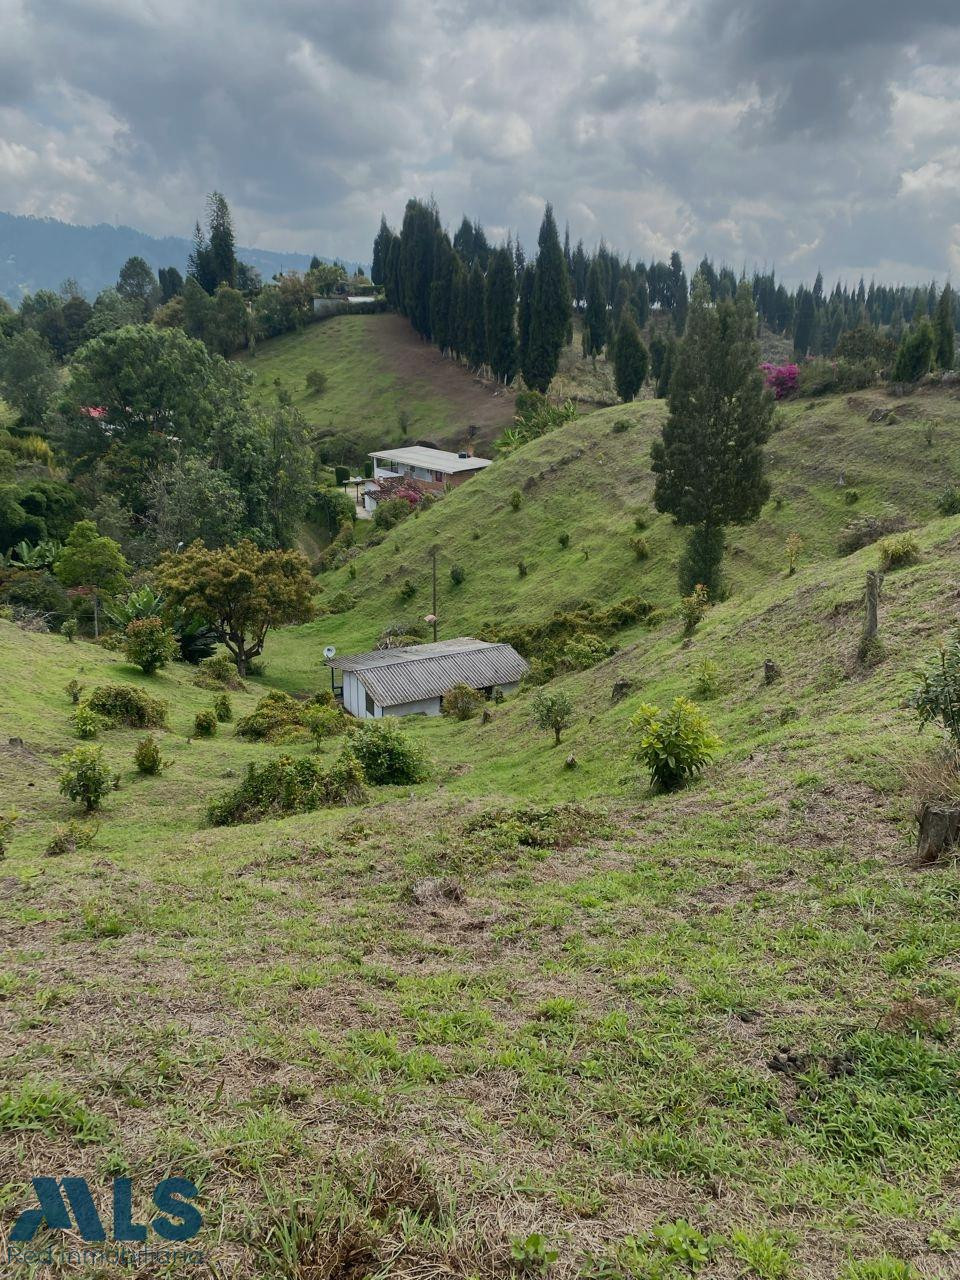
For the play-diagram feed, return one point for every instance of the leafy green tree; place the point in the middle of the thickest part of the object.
(138, 285)
(916, 353)
(500, 307)
(629, 359)
(186, 500)
(289, 472)
(709, 463)
(229, 322)
(553, 711)
(149, 645)
(28, 376)
(549, 309)
(91, 560)
(944, 330)
(595, 317)
(85, 776)
(240, 592)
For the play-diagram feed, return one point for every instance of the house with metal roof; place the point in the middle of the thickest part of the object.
(413, 680)
(434, 470)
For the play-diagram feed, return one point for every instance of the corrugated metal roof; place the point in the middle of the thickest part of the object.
(411, 674)
(418, 455)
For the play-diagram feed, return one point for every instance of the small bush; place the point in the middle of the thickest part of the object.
(851, 497)
(583, 651)
(149, 645)
(461, 702)
(326, 722)
(936, 699)
(73, 690)
(948, 504)
(794, 548)
(407, 590)
(522, 569)
(640, 520)
(386, 755)
(564, 540)
(316, 382)
(219, 671)
(693, 607)
(223, 708)
(84, 776)
(707, 683)
(146, 756)
(8, 820)
(639, 547)
(342, 602)
(898, 552)
(273, 717)
(205, 724)
(516, 500)
(553, 712)
(69, 837)
(389, 513)
(674, 745)
(69, 629)
(86, 723)
(125, 704)
(286, 785)
(457, 575)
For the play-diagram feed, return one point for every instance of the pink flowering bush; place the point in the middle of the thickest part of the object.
(782, 379)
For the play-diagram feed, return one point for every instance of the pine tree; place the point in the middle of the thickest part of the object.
(500, 307)
(640, 303)
(629, 359)
(595, 317)
(549, 310)
(417, 242)
(459, 299)
(223, 257)
(441, 290)
(944, 330)
(804, 323)
(381, 247)
(476, 320)
(200, 262)
(667, 365)
(916, 353)
(709, 463)
(524, 310)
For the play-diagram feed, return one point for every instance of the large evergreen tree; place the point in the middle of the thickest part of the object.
(381, 247)
(524, 309)
(223, 257)
(417, 243)
(709, 463)
(549, 309)
(944, 330)
(629, 358)
(501, 301)
(595, 317)
(441, 290)
(476, 317)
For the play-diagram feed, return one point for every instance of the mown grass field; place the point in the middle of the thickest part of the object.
(710, 1032)
(385, 387)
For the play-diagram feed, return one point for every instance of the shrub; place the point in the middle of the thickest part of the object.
(341, 475)
(73, 689)
(522, 569)
(146, 756)
(707, 683)
(457, 575)
(794, 548)
(8, 820)
(948, 504)
(584, 651)
(564, 540)
(516, 500)
(386, 755)
(640, 520)
(552, 711)
(693, 607)
(823, 377)
(674, 744)
(69, 629)
(389, 513)
(407, 590)
(223, 708)
(898, 552)
(326, 722)
(84, 776)
(851, 497)
(69, 837)
(286, 785)
(341, 602)
(868, 529)
(125, 704)
(461, 702)
(316, 381)
(205, 724)
(217, 672)
(782, 379)
(86, 723)
(936, 698)
(272, 718)
(639, 547)
(149, 645)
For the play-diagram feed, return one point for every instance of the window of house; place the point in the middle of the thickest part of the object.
(438, 477)
(368, 703)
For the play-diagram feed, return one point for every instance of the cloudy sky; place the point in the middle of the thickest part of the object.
(797, 133)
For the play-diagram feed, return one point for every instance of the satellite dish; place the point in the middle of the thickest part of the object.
(329, 651)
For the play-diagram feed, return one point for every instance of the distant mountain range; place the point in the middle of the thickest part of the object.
(39, 253)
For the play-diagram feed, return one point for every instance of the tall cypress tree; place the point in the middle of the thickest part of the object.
(441, 289)
(804, 322)
(459, 299)
(381, 246)
(501, 302)
(595, 317)
(629, 358)
(417, 242)
(222, 244)
(524, 311)
(944, 328)
(476, 320)
(550, 309)
(709, 463)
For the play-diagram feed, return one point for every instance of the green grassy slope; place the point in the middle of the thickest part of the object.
(377, 368)
(735, 1006)
(589, 480)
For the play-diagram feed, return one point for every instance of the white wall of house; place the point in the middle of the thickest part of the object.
(355, 701)
(426, 707)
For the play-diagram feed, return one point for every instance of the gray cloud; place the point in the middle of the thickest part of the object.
(803, 133)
